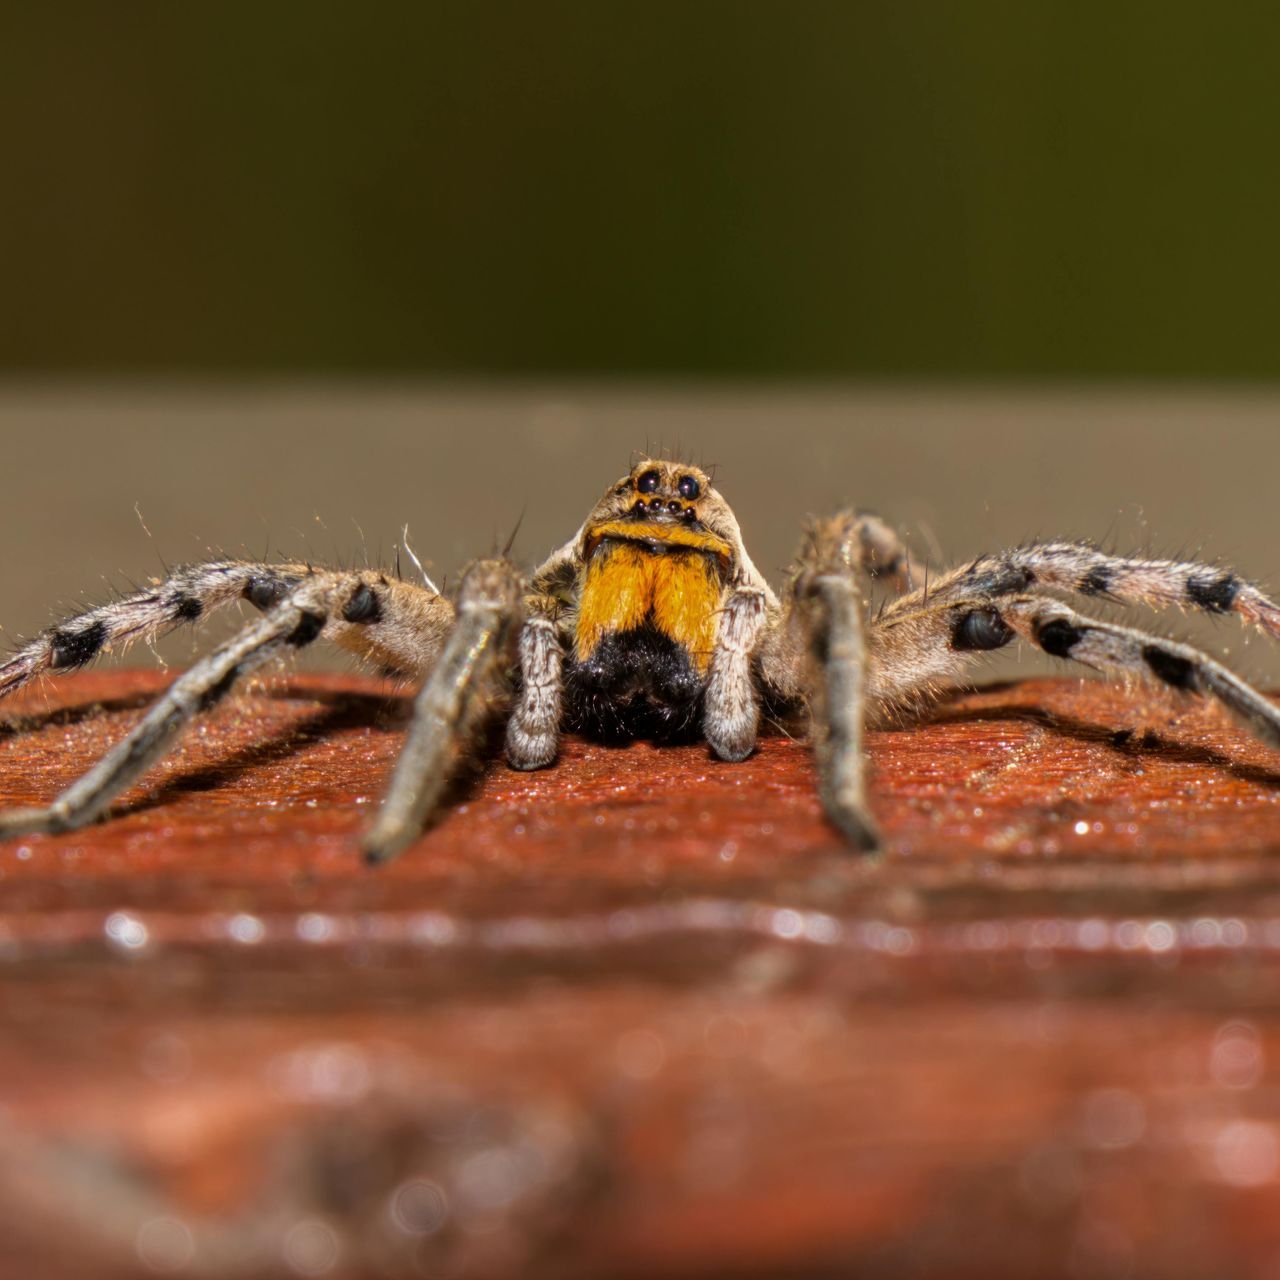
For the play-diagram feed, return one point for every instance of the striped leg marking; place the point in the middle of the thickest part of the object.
(292, 624)
(929, 650)
(1078, 568)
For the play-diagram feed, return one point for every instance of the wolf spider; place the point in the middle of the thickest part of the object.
(650, 621)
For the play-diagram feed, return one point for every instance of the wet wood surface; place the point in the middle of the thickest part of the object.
(640, 1014)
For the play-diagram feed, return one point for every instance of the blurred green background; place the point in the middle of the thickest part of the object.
(911, 188)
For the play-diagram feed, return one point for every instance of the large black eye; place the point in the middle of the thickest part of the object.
(648, 483)
(689, 487)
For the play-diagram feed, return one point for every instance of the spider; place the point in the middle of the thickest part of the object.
(650, 621)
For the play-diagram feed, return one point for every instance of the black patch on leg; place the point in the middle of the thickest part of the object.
(265, 591)
(309, 626)
(1214, 593)
(1058, 637)
(1178, 673)
(1097, 582)
(980, 629)
(186, 608)
(1002, 580)
(364, 606)
(216, 692)
(76, 648)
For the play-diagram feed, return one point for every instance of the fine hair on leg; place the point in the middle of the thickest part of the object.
(731, 712)
(1081, 569)
(533, 730)
(926, 652)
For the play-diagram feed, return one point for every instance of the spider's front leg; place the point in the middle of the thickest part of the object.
(815, 649)
(451, 704)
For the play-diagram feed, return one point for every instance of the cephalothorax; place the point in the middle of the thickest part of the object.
(650, 621)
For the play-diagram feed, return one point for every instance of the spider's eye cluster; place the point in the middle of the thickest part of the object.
(689, 487)
(648, 482)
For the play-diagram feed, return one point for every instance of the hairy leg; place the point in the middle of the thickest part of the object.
(731, 714)
(533, 730)
(295, 622)
(451, 704)
(1077, 567)
(922, 653)
(390, 623)
(815, 650)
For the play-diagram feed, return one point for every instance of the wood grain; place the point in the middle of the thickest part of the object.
(641, 1014)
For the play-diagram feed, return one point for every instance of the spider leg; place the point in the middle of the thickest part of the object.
(923, 652)
(450, 705)
(293, 623)
(391, 623)
(533, 730)
(1078, 568)
(881, 551)
(731, 713)
(815, 650)
(830, 613)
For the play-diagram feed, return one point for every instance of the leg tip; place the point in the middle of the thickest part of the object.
(862, 834)
(30, 822)
(529, 751)
(376, 851)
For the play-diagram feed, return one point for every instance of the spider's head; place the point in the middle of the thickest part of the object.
(665, 506)
(664, 491)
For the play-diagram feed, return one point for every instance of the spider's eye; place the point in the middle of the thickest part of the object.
(689, 487)
(648, 482)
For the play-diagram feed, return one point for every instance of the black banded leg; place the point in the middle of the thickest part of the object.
(921, 654)
(295, 622)
(187, 595)
(1078, 568)
(730, 711)
(829, 607)
(533, 730)
(1127, 651)
(449, 706)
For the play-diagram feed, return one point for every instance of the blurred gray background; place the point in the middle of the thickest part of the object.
(283, 278)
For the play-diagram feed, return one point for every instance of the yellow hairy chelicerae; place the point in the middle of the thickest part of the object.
(676, 590)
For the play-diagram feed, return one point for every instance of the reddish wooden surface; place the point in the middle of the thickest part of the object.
(640, 1014)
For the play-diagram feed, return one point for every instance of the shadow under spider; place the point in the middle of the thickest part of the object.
(345, 710)
(60, 717)
(340, 709)
(1124, 741)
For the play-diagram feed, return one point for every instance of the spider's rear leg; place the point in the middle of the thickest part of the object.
(926, 651)
(293, 623)
(451, 705)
